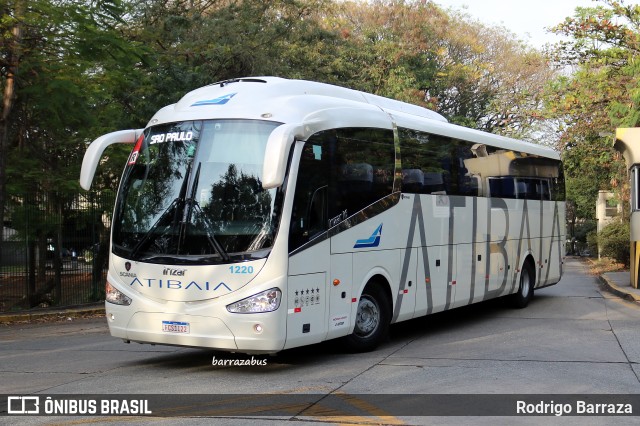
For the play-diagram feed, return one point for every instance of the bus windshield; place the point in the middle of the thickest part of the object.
(191, 193)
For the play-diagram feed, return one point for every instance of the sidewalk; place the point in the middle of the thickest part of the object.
(50, 315)
(619, 283)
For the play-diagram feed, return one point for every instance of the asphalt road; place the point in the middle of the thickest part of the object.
(574, 338)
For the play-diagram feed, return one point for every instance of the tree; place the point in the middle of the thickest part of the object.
(474, 75)
(11, 27)
(601, 94)
(388, 46)
(490, 80)
(50, 60)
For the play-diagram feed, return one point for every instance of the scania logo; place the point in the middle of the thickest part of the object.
(178, 285)
(127, 266)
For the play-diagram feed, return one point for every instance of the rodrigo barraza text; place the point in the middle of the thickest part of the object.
(578, 407)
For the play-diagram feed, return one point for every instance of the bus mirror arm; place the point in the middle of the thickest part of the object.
(277, 154)
(94, 152)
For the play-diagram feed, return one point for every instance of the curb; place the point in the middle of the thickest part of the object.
(618, 291)
(53, 315)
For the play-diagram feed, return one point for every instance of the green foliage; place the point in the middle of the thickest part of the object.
(64, 49)
(583, 230)
(589, 165)
(613, 241)
(88, 68)
(602, 94)
(592, 242)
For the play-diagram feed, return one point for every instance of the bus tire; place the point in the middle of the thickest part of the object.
(372, 320)
(525, 290)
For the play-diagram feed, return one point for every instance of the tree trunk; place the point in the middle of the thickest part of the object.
(8, 98)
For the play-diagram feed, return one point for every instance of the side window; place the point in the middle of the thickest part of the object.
(426, 162)
(557, 184)
(341, 172)
(542, 190)
(309, 215)
(502, 187)
(514, 174)
(520, 188)
(361, 172)
(467, 184)
(533, 189)
(527, 189)
(433, 164)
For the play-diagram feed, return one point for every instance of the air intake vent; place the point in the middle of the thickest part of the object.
(238, 80)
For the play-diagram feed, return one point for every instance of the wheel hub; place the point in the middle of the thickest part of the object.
(368, 317)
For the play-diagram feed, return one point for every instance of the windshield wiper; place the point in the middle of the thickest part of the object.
(150, 232)
(180, 199)
(209, 230)
(192, 204)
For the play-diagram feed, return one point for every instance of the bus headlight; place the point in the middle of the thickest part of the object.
(266, 301)
(115, 296)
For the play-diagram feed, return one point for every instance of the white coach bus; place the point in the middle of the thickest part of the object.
(261, 214)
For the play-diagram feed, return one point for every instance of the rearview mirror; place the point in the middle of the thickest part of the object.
(276, 155)
(97, 147)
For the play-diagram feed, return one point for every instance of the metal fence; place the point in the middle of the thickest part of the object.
(54, 250)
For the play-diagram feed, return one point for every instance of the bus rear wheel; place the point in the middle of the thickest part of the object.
(525, 291)
(372, 320)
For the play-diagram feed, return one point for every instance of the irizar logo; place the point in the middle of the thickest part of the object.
(217, 101)
(372, 241)
(174, 272)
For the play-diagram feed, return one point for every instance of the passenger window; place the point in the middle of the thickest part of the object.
(341, 172)
(544, 190)
(433, 164)
(362, 172)
(502, 187)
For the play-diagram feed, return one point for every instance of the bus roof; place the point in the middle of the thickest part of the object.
(317, 106)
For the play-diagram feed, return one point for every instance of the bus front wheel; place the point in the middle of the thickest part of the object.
(372, 320)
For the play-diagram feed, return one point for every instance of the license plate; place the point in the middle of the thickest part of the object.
(175, 327)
